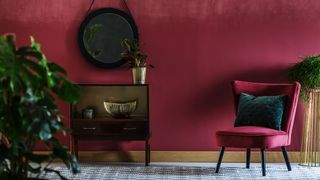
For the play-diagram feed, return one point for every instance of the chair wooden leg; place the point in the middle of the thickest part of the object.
(147, 153)
(286, 158)
(263, 162)
(248, 158)
(220, 159)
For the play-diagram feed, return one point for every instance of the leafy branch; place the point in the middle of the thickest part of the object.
(89, 35)
(133, 54)
(29, 85)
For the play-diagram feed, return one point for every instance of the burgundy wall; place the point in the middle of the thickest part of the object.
(198, 47)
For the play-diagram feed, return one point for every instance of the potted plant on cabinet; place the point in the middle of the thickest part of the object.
(28, 112)
(307, 72)
(136, 59)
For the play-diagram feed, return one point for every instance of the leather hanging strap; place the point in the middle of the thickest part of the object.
(126, 7)
(92, 2)
(124, 2)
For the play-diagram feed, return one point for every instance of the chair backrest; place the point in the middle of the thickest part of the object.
(272, 89)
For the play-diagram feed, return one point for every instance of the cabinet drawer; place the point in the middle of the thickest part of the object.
(110, 128)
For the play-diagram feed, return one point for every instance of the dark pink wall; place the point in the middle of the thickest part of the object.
(198, 47)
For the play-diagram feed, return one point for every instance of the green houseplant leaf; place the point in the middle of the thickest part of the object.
(89, 35)
(29, 85)
(307, 72)
(133, 54)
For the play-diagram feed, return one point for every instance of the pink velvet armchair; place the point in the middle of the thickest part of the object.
(261, 137)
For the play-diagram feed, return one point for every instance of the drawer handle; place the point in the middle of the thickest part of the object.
(130, 129)
(89, 128)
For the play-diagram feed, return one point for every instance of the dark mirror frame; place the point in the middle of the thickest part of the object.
(87, 20)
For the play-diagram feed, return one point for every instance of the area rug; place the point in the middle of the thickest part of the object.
(106, 171)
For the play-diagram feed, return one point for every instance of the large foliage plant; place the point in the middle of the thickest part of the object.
(29, 87)
(307, 72)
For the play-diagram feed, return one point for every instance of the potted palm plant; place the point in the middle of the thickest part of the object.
(28, 112)
(307, 72)
(136, 59)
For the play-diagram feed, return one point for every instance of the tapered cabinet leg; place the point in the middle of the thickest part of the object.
(75, 147)
(286, 158)
(147, 153)
(72, 145)
(220, 159)
(263, 162)
(248, 158)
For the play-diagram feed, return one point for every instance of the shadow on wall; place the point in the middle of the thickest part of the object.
(217, 97)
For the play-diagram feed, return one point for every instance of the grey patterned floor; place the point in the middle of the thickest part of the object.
(183, 171)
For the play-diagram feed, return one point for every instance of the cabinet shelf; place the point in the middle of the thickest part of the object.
(111, 119)
(102, 127)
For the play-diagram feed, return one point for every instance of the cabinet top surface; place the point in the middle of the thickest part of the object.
(85, 84)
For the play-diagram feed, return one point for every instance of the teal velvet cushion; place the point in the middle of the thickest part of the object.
(265, 111)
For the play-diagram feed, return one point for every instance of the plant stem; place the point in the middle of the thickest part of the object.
(45, 167)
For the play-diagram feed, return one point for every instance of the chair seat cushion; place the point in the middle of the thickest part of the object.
(251, 137)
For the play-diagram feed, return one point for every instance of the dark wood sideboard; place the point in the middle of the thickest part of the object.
(104, 127)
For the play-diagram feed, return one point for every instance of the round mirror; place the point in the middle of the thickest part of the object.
(101, 34)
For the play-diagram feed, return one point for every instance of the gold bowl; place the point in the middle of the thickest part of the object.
(119, 109)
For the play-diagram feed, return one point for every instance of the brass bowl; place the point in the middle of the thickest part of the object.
(120, 109)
